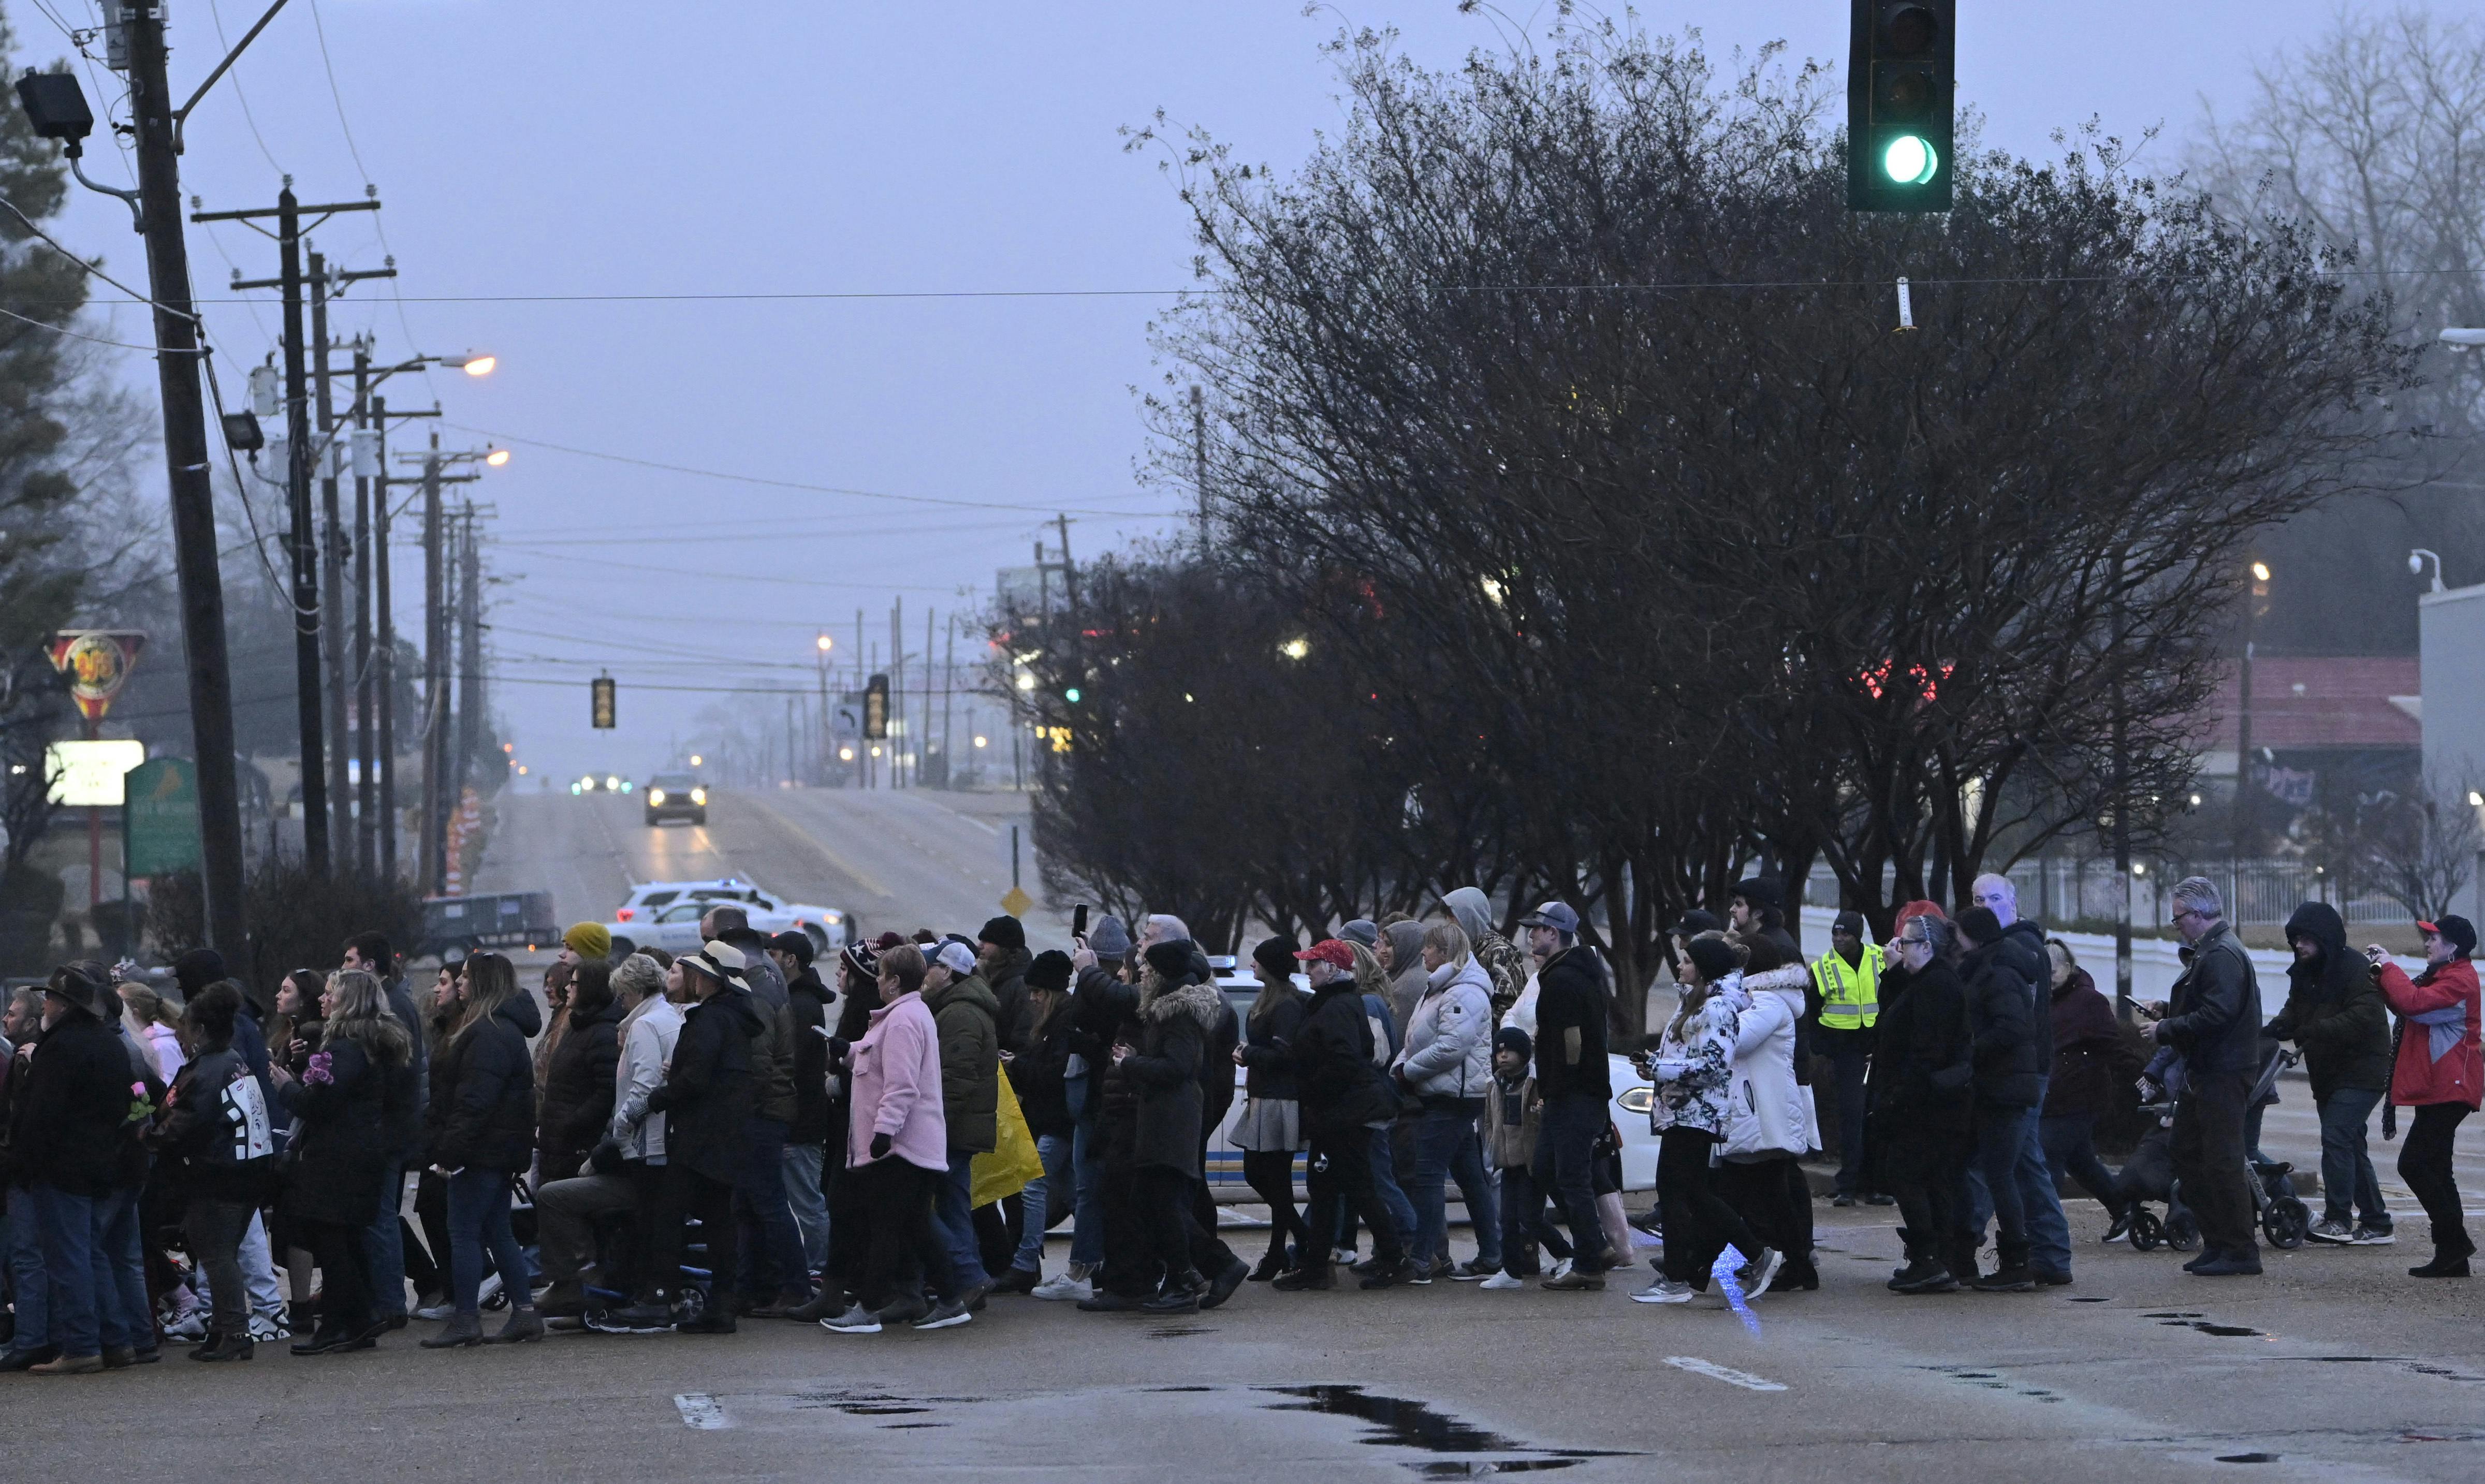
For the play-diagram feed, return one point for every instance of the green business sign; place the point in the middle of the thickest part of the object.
(161, 816)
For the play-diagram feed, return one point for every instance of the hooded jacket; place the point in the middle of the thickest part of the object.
(70, 1108)
(578, 1089)
(2002, 1012)
(968, 1017)
(2334, 1011)
(482, 1109)
(2439, 1060)
(710, 1092)
(2213, 1012)
(1407, 976)
(772, 1050)
(1013, 1015)
(1502, 960)
(1695, 1067)
(1571, 1028)
(1164, 1069)
(648, 1034)
(1340, 1086)
(1447, 1051)
(897, 1078)
(1771, 1117)
(1035, 1075)
(809, 999)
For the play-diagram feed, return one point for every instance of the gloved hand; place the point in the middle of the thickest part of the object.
(606, 1157)
(880, 1145)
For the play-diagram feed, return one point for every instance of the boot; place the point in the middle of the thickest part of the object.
(1179, 1296)
(302, 1316)
(1270, 1265)
(1310, 1276)
(1924, 1275)
(2013, 1276)
(460, 1331)
(829, 1302)
(68, 1366)
(526, 1323)
(224, 1347)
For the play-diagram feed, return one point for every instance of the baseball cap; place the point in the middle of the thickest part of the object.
(957, 958)
(1556, 915)
(2456, 931)
(1331, 951)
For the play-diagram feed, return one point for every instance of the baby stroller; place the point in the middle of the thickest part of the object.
(2149, 1176)
(2283, 1218)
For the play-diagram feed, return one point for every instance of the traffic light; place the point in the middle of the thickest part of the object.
(600, 707)
(1901, 98)
(875, 709)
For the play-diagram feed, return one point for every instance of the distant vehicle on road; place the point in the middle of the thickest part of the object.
(1631, 1100)
(666, 915)
(456, 927)
(676, 796)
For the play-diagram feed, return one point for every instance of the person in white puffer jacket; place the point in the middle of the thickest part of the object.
(1445, 1063)
(1693, 1067)
(1773, 1124)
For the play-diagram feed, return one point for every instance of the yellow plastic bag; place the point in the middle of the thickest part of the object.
(1013, 1162)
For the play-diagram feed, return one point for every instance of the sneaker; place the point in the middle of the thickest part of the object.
(2372, 1236)
(1405, 1270)
(1916, 1271)
(191, 1325)
(904, 1308)
(1221, 1288)
(1877, 1198)
(264, 1330)
(1470, 1271)
(636, 1319)
(1932, 1278)
(1650, 1220)
(2120, 1226)
(2331, 1230)
(1502, 1282)
(431, 1313)
(857, 1321)
(1343, 1256)
(1664, 1290)
(947, 1317)
(1755, 1276)
(1299, 1280)
(1570, 1280)
(488, 1296)
(1064, 1286)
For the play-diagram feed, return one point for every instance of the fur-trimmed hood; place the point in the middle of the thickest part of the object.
(1200, 1002)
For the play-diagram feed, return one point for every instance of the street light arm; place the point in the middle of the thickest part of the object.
(137, 215)
(182, 115)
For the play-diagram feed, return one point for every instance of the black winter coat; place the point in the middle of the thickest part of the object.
(1008, 981)
(1216, 1067)
(1922, 1056)
(2002, 1012)
(483, 1108)
(1570, 996)
(1268, 1071)
(1164, 1070)
(578, 1089)
(711, 1092)
(2334, 1011)
(810, 1002)
(338, 1165)
(2023, 948)
(1036, 1074)
(72, 1108)
(1342, 1089)
(2213, 1014)
(213, 1141)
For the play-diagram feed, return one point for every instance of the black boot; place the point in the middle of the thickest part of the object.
(1180, 1295)
(1312, 1275)
(224, 1347)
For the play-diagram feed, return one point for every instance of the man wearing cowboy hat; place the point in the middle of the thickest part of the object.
(706, 1100)
(65, 1150)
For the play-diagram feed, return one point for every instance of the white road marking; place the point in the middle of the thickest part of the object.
(700, 1411)
(1716, 1372)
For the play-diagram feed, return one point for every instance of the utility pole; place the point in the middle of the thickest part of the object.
(435, 683)
(896, 692)
(863, 678)
(470, 661)
(287, 212)
(193, 496)
(948, 685)
(384, 640)
(367, 800)
(332, 576)
(923, 753)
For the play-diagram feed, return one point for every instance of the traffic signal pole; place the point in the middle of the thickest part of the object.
(193, 496)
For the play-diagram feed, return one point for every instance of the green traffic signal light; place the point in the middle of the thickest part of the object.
(1910, 160)
(1070, 695)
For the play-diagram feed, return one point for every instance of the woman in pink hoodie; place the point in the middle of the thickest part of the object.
(897, 1144)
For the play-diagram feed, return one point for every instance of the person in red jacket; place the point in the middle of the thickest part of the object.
(2438, 1073)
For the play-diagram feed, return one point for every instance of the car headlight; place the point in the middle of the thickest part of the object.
(655, 795)
(1638, 1100)
(699, 796)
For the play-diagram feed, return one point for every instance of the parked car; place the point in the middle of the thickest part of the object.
(666, 915)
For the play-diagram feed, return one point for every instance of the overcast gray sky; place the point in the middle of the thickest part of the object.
(791, 147)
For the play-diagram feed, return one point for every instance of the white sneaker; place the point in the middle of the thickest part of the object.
(490, 1291)
(189, 1325)
(436, 1311)
(1662, 1291)
(1502, 1282)
(1561, 1269)
(1065, 1287)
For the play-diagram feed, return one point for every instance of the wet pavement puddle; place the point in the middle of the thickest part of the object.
(1446, 1445)
(2193, 1319)
(1993, 1381)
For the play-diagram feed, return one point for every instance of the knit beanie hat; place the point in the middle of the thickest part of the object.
(1172, 960)
(1277, 955)
(588, 940)
(1510, 1038)
(862, 959)
(1006, 931)
(1108, 939)
(1714, 959)
(1361, 930)
(1051, 970)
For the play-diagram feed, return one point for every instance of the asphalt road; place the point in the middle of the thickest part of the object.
(2333, 1368)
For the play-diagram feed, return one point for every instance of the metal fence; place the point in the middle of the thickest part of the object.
(2071, 889)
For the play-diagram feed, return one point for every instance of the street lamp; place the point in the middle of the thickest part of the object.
(2417, 557)
(471, 365)
(498, 458)
(2462, 340)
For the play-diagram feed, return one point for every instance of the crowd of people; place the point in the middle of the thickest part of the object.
(686, 1142)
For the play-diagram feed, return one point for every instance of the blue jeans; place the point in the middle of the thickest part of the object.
(954, 1222)
(1087, 1203)
(121, 1271)
(1446, 1147)
(1037, 1199)
(33, 1289)
(479, 1217)
(82, 1320)
(384, 1247)
(2049, 1230)
(774, 1249)
(2346, 1169)
(1384, 1184)
(809, 1205)
(2070, 1148)
(1992, 1177)
(1566, 1151)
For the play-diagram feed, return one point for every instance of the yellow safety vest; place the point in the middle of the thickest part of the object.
(1851, 998)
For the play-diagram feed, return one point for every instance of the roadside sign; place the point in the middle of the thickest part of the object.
(160, 822)
(1016, 901)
